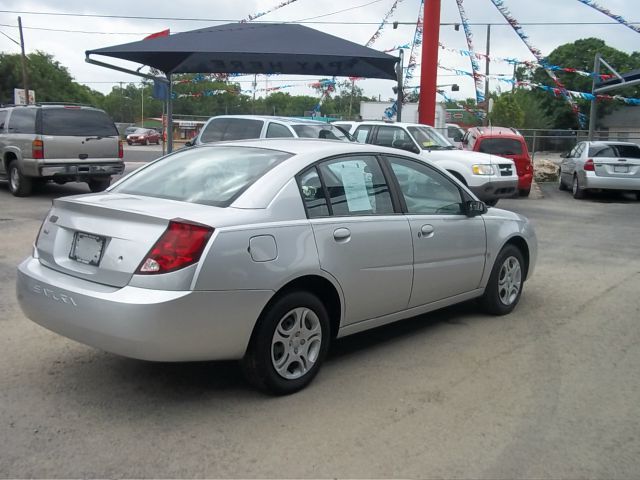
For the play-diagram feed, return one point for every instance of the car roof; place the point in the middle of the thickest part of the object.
(503, 132)
(612, 142)
(397, 124)
(287, 120)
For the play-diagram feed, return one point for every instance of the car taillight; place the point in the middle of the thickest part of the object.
(588, 166)
(120, 149)
(37, 149)
(180, 245)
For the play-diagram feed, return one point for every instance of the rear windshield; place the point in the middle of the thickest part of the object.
(320, 131)
(77, 122)
(220, 129)
(628, 151)
(501, 146)
(209, 176)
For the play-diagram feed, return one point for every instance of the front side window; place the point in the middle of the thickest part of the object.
(313, 195)
(275, 130)
(207, 175)
(394, 137)
(328, 132)
(425, 190)
(356, 186)
(77, 122)
(23, 120)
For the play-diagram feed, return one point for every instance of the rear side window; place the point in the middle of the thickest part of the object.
(313, 195)
(23, 120)
(221, 129)
(275, 130)
(207, 175)
(319, 131)
(501, 146)
(77, 122)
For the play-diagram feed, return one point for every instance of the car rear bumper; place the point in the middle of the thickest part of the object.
(524, 181)
(78, 170)
(141, 323)
(495, 189)
(610, 183)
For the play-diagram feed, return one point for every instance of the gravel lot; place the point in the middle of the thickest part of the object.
(550, 391)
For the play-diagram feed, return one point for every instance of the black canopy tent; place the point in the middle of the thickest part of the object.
(264, 48)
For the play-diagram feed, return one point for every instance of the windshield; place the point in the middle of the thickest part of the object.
(320, 131)
(429, 139)
(209, 176)
(139, 131)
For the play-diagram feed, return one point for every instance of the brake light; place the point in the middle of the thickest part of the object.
(37, 149)
(180, 245)
(120, 149)
(588, 166)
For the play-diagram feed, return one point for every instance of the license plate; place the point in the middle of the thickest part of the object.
(620, 168)
(87, 248)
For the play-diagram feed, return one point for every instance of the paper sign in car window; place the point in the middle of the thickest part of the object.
(355, 187)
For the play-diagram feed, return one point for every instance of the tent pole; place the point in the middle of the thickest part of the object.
(170, 116)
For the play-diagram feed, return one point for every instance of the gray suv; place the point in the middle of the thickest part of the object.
(63, 143)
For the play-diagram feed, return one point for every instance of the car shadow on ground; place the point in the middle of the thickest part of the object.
(215, 380)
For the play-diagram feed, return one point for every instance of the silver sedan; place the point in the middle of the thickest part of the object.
(265, 251)
(601, 166)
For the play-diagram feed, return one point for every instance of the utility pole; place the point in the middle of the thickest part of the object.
(142, 106)
(486, 78)
(400, 97)
(25, 83)
(255, 86)
(592, 113)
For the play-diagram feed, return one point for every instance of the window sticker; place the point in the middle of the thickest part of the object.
(355, 186)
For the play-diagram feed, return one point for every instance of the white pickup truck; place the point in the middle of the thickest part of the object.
(488, 177)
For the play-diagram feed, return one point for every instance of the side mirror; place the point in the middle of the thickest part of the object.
(457, 138)
(475, 208)
(189, 143)
(409, 147)
(565, 155)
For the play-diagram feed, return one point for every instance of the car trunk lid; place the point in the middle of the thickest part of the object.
(104, 238)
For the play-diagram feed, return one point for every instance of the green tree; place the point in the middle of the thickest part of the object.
(506, 112)
(580, 55)
(50, 80)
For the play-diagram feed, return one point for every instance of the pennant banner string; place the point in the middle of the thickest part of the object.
(517, 28)
(611, 15)
(386, 17)
(273, 9)
(475, 67)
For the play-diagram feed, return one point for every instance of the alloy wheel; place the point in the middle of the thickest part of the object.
(296, 343)
(509, 280)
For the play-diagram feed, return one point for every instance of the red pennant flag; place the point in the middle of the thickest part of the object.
(163, 33)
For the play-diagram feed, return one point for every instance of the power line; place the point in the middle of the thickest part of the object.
(339, 11)
(235, 20)
(14, 41)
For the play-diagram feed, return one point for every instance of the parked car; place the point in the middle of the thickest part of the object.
(244, 127)
(507, 143)
(490, 179)
(143, 136)
(63, 143)
(265, 251)
(601, 166)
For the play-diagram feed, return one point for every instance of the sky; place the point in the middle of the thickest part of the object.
(69, 48)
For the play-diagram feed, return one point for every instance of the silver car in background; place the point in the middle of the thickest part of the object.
(601, 166)
(265, 251)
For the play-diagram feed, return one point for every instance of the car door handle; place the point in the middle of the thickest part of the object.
(426, 230)
(341, 234)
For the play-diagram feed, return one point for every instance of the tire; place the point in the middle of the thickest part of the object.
(144, 142)
(99, 185)
(19, 185)
(638, 196)
(524, 192)
(578, 193)
(491, 203)
(561, 185)
(129, 143)
(270, 364)
(504, 287)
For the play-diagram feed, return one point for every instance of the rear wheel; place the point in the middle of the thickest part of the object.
(504, 287)
(524, 192)
(99, 184)
(561, 184)
(638, 196)
(19, 184)
(288, 344)
(577, 190)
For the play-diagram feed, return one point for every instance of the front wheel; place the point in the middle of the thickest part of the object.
(504, 288)
(19, 184)
(288, 344)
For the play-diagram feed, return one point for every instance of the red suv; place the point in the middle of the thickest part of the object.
(505, 142)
